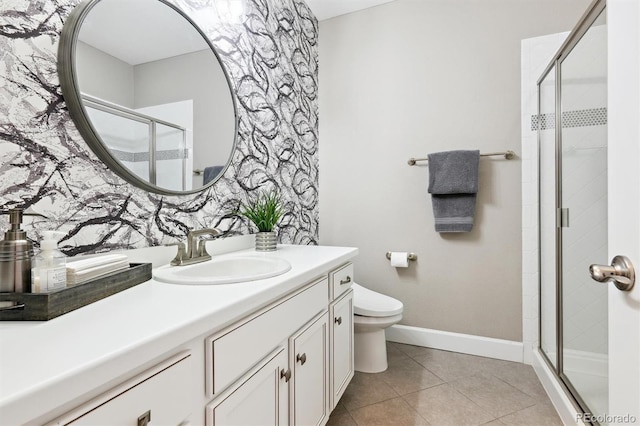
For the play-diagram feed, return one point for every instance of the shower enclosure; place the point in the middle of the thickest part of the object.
(153, 149)
(572, 153)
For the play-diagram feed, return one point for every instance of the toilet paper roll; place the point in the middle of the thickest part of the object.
(399, 259)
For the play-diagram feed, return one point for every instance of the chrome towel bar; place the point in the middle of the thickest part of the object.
(508, 155)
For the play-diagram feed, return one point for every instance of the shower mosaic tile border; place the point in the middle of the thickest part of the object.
(163, 154)
(578, 118)
(271, 56)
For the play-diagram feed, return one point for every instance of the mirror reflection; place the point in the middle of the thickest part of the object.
(155, 94)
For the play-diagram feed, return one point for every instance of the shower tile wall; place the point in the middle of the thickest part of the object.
(585, 318)
(270, 53)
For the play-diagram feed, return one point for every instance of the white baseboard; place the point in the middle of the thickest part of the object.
(563, 405)
(456, 342)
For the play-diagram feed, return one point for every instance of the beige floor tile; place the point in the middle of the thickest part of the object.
(411, 350)
(541, 414)
(341, 419)
(520, 376)
(479, 390)
(405, 375)
(404, 364)
(394, 352)
(340, 408)
(450, 366)
(443, 406)
(394, 412)
(492, 394)
(366, 389)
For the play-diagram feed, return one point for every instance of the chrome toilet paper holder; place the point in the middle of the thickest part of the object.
(410, 256)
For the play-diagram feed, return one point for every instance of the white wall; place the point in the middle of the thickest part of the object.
(104, 76)
(193, 76)
(412, 77)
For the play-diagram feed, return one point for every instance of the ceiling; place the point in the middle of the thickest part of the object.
(137, 32)
(129, 42)
(326, 9)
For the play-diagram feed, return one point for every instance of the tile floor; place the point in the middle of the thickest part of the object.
(430, 387)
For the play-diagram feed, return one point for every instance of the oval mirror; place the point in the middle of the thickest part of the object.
(148, 93)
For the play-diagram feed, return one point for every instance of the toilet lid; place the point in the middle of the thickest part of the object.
(371, 304)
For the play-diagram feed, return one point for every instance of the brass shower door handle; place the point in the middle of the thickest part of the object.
(620, 273)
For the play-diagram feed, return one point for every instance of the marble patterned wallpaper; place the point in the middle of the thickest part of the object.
(269, 50)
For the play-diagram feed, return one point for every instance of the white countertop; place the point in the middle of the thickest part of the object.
(46, 364)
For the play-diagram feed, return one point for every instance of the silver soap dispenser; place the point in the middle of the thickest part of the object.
(16, 257)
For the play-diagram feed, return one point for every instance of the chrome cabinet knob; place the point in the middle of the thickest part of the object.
(620, 273)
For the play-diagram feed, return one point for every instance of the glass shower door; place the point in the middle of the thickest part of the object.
(128, 137)
(153, 149)
(582, 217)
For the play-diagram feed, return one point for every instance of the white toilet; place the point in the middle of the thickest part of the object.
(373, 312)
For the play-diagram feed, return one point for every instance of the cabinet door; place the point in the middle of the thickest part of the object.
(309, 356)
(260, 398)
(341, 328)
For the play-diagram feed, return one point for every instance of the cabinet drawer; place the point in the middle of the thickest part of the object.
(340, 280)
(235, 350)
(164, 393)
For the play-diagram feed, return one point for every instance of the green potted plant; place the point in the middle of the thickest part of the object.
(264, 211)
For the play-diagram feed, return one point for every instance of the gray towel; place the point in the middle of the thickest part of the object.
(210, 173)
(453, 184)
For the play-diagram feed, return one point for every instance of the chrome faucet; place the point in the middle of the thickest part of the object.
(195, 251)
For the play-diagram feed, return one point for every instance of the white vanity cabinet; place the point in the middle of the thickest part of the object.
(341, 330)
(249, 376)
(273, 364)
(277, 351)
(162, 395)
(288, 387)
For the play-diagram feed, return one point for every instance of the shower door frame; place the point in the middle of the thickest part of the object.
(586, 21)
(152, 122)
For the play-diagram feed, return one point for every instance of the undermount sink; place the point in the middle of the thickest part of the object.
(223, 270)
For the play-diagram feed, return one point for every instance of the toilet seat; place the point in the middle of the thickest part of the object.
(372, 304)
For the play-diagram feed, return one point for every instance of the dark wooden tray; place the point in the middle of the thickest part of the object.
(46, 306)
